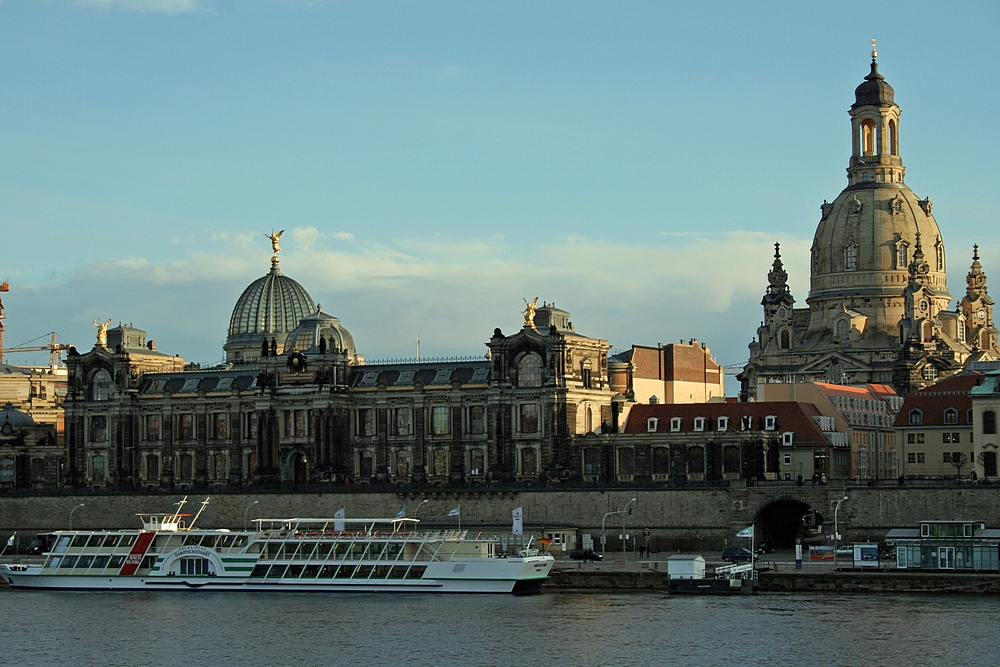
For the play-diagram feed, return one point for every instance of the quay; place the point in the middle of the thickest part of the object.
(778, 577)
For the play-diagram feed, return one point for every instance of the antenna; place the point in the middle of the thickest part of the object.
(418, 347)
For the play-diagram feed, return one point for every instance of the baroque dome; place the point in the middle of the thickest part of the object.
(270, 307)
(10, 415)
(320, 333)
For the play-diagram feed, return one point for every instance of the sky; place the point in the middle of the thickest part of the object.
(433, 163)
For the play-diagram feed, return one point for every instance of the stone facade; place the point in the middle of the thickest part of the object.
(878, 305)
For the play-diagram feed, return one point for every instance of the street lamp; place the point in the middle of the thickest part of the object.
(417, 509)
(625, 514)
(836, 531)
(71, 514)
(256, 502)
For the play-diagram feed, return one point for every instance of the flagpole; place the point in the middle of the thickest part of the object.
(460, 517)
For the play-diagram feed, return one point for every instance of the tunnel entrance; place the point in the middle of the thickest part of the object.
(783, 521)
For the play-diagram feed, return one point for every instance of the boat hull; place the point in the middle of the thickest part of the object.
(710, 586)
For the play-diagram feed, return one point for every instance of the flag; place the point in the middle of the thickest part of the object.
(339, 525)
(401, 513)
(10, 540)
(518, 515)
(455, 511)
(746, 532)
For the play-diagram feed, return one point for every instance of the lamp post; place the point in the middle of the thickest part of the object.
(625, 514)
(247, 510)
(836, 531)
(71, 514)
(417, 509)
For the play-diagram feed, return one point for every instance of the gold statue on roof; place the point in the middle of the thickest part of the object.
(874, 52)
(274, 243)
(102, 332)
(529, 312)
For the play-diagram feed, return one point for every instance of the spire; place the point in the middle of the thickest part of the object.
(777, 278)
(976, 280)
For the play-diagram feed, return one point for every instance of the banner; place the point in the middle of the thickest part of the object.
(401, 513)
(455, 511)
(339, 525)
(518, 515)
(10, 540)
(746, 532)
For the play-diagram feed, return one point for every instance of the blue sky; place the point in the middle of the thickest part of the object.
(435, 162)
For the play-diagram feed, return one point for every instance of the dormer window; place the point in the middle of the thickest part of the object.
(770, 423)
(951, 416)
(699, 423)
(651, 424)
(746, 423)
(916, 417)
(930, 372)
(723, 424)
(675, 424)
(787, 438)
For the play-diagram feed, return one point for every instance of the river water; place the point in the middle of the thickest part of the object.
(246, 629)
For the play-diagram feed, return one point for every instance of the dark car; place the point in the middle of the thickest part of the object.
(585, 554)
(736, 555)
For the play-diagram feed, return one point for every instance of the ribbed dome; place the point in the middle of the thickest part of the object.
(15, 417)
(306, 338)
(270, 307)
(874, 91)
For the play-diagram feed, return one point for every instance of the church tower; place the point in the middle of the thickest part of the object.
(877, 272)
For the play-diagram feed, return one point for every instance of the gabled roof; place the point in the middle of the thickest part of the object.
(951, 392)
(793, 416)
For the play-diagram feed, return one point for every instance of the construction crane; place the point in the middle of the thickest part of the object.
(54, 349)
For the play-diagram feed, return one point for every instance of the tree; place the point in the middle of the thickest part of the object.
(959, 460)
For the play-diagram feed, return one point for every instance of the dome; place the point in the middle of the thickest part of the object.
(874, 91)
(306, 337)
(15, 417)
(270, 307)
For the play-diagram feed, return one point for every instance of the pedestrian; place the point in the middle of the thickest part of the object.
(822, 480)
(642, 550)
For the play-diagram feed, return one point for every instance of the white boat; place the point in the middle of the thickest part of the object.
(338, 554)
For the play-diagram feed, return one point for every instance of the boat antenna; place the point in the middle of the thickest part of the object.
(204, 504)
(180, 506)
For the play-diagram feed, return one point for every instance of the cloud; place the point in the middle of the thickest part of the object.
(148, 6)
(453, 292)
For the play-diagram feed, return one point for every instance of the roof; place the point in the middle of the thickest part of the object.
(903, 533)
(686, 557)
(428, 373)
(193, 382)
(950, 393)
(793, 416)
(14, 417)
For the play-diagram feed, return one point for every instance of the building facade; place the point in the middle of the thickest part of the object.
(878, 309)
(985, 406)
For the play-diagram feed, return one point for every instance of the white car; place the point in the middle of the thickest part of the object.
(847, 551)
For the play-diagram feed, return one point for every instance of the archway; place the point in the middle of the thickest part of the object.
(299, 469)
(783, 521)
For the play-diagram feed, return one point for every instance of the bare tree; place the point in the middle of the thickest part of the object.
(959, 460)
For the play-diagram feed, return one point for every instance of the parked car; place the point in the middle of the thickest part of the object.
(763, 548)
(736, 555)
(846, 551)
(585, 554)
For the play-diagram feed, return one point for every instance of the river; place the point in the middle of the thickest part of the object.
(246, 629)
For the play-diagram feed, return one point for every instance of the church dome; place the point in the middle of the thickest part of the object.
(270, 307)
(9, 415)
(320, 331)
(874, 91)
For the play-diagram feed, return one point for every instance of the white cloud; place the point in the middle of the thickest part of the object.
(344, 236)
(149, 6)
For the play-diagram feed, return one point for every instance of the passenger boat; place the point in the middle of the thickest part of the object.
(338, 554)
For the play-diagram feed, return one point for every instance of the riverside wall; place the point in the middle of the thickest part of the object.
(696, 519)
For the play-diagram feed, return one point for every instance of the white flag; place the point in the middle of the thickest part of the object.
(746, 532)
(518, 515)
(339, 525)
(10, 540)
(401, 513)
(455, 511)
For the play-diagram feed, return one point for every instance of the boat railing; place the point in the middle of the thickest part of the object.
(422, 536)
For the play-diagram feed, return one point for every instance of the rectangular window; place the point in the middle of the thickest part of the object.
(921, 458)
(366, 421)
(788, 459)
(770, 423)
(220, 426)
(402, 421)
(439, 420)
(529, 418)
(920, 438)
(477, 419)
(699, 423)
(251, 426)
(946, 457)
(300, 423)
(185, 427)
(99, 428)
(954, 437)
(675, 424)
(911, 438)
(723, 423)
(152, 427)
(946, 437)
(587, 381)
(911, 457)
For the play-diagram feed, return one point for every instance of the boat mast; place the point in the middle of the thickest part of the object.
(204, 503)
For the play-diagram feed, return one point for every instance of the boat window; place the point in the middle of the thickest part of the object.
(84, 561)
(112, 540)
(363, 572)
(209, 541)
(310, 571)
(381, 572)
(54, 561)
(277, 571)
(227, 541)
(259, 570)
(101, 562)
(294, 571)
(79, 541)
(127, 540)
(416, 572)
(328, 571)
(241, 541)
(345, 572)
(306, 549)
(69, 561)
(95, 541)
(192, 540)
(398, 572)
(323, 550)
(117, 561)
(61, 545)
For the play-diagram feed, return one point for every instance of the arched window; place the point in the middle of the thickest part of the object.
(784, 339)
(928, 330)
(851, 256)
(989, 422)
(100, 386)
(529, 371)
(961, 330)
(989, 464)
(696, 460)
(893, 140)
(626, 461)
(586, 371)
(902, 255)
(939, 255)
(868, 137)
(916, 417)
(843, 329)
(930, 372)
(661, 461)
(590, 420)
(98, 469)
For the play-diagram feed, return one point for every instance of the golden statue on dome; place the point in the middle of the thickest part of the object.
(274, 244)
(102, 332)
(529, 312)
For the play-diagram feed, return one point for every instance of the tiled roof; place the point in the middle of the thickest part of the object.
(793, 416)
(408, 374)
(933, 401)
